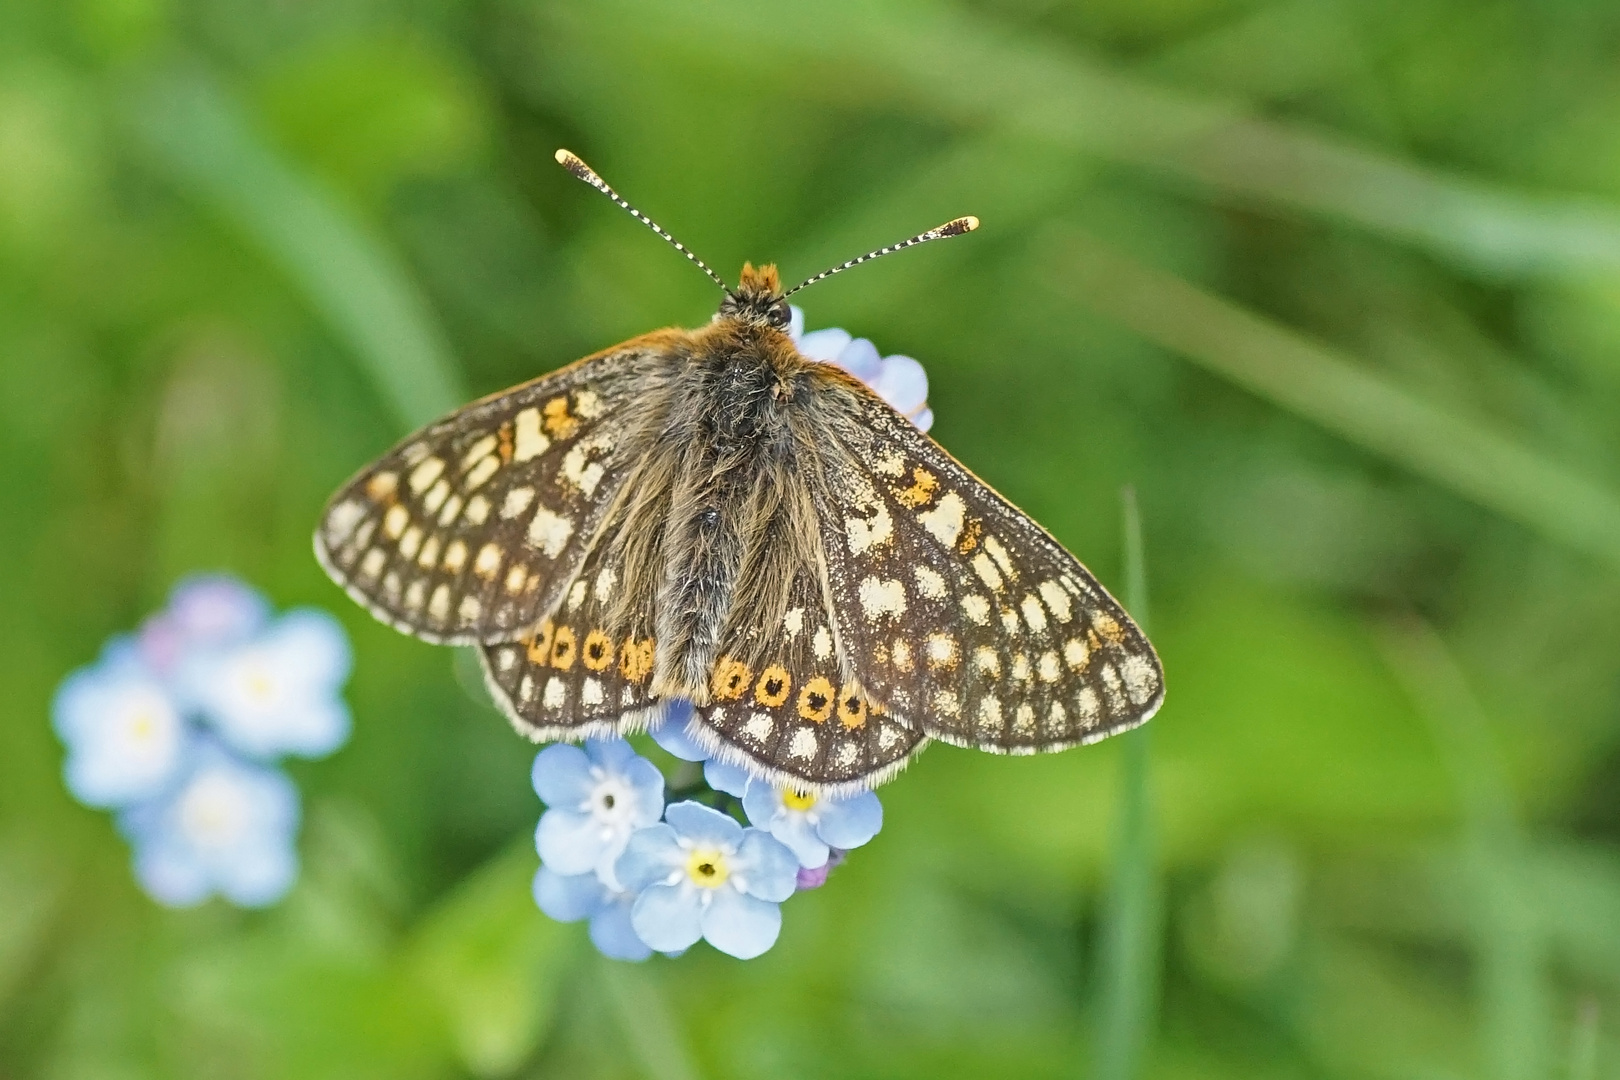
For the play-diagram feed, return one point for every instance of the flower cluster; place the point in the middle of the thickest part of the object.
(177, 728)
(653, 876)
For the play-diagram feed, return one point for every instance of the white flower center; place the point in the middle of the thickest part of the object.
(147, 727)
(214, 812)
(612, 803)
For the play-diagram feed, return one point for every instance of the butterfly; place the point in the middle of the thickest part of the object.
(709, 517)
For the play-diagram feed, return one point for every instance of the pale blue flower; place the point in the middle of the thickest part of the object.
(726, 777)
(812, 825)
(569, 898)
(702, 875)
(597, 797)
(125, 736)
(276, 692)
(205, 611)
(226, 827)
(898, 380)
(671, 732)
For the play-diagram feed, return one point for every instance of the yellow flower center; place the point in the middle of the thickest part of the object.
(143, 726)
(707, 868)
(259, 686)
(797, 800)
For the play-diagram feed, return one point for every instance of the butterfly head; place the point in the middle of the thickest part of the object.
(757, 299)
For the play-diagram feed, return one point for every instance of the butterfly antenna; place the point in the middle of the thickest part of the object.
(570, 161)
(954, 227)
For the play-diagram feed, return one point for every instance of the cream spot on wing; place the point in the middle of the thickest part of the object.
(372, 564)
(362, 535)
(999, 553)
(517, 500)
(455, 556)
(587, 404)
(411, 542)
(929, 583)
(482, 448)
(424, 474)
(591, 692)
(989, 713)
(1020, 668)
(986, 570)
(889, 464)
(341, 521)
(986, 660)
(413, 453)
(530, 440)
(515, 578)
(1057, 600)
(477, 509)
(1111, 679)
(1024, 720)
(793, 622)
(482, 472)
(803, 744)
(1047, 667)
(1009, 621)
(579, 470)
(415, 594)
(488, 561)
(944, 520)
(395, 520)
(845, 754)
(1034, 614)
(576, 595)
(882, 599)
(469, 608)
(1141, 681)
(1086, 703)
(439, 603)
(941, 650)
(867, 533)
(900, 654)
(759, 726)
(382, 485)
(976, 607)
(1076, 651)
(555, 693)
(451, 509)
(888, 736)
(436, 496)
(430, 553)
(390, 585)
(550, 532)
(822, 644)
(526, 689)
(945, 702)
(506, 659)
(605, 582)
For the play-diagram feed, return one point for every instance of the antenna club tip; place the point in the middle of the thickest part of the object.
(958, 226)
(571, 161)
(970, 223)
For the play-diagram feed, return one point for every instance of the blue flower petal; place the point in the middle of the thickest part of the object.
(729, 778)
(125, 735)
(562, 776)
(259, 875)
(849, 823)
(314, 644)
(647, 784)
(651, 856)
(767, 866)
(671, 733)
(703, 825)
(569, 843)
(568, 897)
(614, 936)
(795, 322)
(761, 802)
(668, 917)
(741, 926)
(172, 873)
(861, 359)
(611, 755)
(824, 345)
(795, 831)
(923, 419)
(215, 609)
(901, 382)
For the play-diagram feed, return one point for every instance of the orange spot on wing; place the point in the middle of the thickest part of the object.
(851, 707)
(598, 651)
(557, 422)
(970, 536)
(563, 648)
(503, 443)
(636, 659)
(731, 678)
(816, 700)
(539, 644)
(773, 687)
(923, 486)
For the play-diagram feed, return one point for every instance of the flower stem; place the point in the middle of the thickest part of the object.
(1131, 917)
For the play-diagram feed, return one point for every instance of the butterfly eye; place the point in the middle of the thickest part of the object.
(779, 316)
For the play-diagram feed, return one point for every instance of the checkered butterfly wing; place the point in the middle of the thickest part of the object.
(469, 530)
(958, 610)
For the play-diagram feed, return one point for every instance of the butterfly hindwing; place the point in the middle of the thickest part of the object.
(468, 530)
(781, 705)
(958, 609)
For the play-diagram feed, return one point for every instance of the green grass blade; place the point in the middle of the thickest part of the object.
(1331, 389)
(203, 141)
(650, 1029)
(1132, 911)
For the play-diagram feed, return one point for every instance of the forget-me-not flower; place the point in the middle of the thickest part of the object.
(228, 827)
(702, 875)
(812, 825)
(571, 897)
(597, 797)
(126, 738)
(898, 380)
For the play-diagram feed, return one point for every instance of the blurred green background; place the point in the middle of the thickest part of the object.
(1335, 285)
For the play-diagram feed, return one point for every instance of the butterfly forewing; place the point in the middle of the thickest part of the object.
(469, 530)
(781, 704)
(957, 609)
